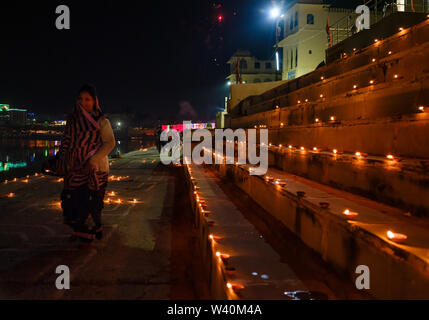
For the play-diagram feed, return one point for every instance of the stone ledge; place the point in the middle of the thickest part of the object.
(398, 270)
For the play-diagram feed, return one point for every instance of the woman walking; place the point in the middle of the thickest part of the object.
(82, 161)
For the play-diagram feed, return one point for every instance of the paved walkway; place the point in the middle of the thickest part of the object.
(140, 257)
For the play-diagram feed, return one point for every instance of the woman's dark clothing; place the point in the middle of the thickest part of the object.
(78, 206)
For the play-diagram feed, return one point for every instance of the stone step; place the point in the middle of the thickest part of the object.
(398, 269)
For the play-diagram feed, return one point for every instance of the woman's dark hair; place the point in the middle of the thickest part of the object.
(89, 89)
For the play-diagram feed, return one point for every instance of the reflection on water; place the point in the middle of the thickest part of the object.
(20, 157)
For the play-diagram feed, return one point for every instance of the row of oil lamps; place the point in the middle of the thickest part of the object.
(420, 109)
(27, 178)
(358, 154)
(222, 257)
(397, 237)
(118, 200)
(111, 178)
(290, 147)
(350, 214)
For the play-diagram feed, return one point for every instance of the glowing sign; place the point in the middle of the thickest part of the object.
(191, 126)
(6, 166)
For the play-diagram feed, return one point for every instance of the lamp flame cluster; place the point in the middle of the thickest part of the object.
(222, 257)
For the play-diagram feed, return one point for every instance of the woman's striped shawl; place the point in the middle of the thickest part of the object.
(81, 140)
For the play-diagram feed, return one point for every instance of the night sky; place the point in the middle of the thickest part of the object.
(145, 57)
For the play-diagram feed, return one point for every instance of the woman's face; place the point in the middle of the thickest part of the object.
(86, 101)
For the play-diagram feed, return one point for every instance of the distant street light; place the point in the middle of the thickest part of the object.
(275, 13)
(119, 124)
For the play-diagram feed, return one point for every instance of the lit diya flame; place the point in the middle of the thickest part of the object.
(5, 182)
(396, 236)
(280, 183)
(107, 200)
(222, 256)
(25, 180)
(36, 174)
(15, 180)
(10, 195)
(213, 237)
(112, 193)
(350, 214)
(57, 204)
(119, 201)
(335, 151)
(60, 180)
(235, 287)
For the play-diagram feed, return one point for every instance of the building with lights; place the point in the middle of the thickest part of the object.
(397, 15)
(245, 68)
(12, 116)
(305, 36)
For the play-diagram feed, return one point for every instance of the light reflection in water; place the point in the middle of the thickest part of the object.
(21, 157)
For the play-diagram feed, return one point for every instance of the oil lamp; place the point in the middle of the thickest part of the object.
(396, 236)
(350, 214)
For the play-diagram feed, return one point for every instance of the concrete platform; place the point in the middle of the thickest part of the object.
(146, 251)
(398, 270)
(257, 267)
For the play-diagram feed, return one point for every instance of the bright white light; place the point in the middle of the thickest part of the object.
(275, 12)
(277, 61)
(229, 83)
(400, 4)
(119, 124)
